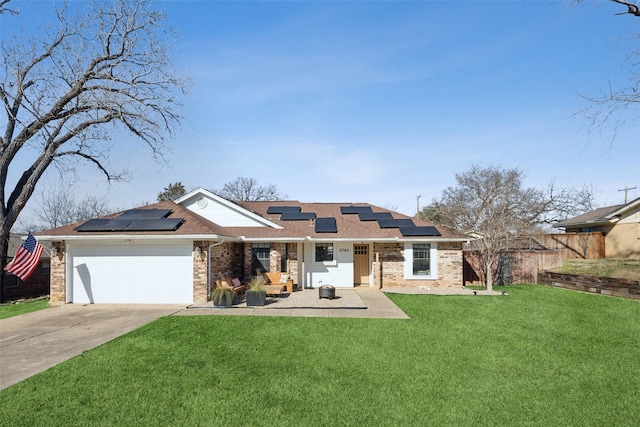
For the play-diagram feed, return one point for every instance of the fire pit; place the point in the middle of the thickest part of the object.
(326, 291)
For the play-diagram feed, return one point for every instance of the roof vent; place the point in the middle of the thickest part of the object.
(201, 202)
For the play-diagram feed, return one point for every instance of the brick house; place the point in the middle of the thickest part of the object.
(172, 252)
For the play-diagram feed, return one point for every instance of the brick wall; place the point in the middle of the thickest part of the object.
(247, 273)
(275, 256)
(200, 272)
(389, 266)
(226, 259)
(36, 285)
(57, 286)
(281, 256)
(292, 261)
(222, 259)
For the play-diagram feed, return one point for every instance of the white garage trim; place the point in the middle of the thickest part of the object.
(135, 272)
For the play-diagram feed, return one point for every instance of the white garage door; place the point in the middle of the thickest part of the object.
(132, 274)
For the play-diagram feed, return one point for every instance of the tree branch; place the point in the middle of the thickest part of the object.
(632, 8)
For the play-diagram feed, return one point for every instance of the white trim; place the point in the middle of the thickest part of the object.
(408, 262)
(352, 239)
(333, 262)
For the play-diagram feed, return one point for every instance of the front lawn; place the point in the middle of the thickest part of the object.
(18, 308)
(540, 356)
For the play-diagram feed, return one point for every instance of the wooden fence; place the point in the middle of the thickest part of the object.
(575, 245)
(511, 267)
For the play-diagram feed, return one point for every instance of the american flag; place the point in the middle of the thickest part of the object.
(26, 259)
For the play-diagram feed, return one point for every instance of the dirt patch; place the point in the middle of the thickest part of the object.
(626, 268)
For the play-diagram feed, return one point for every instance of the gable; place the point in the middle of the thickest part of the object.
(221, 211)
(630, 217)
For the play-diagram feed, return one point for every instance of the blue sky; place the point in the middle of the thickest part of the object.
(382, 101)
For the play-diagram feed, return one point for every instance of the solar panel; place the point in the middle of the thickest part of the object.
(419, 231)
(297, 216)
(162, 224)
(354, 209)
(395, 223)
(326, 225)
(282, 209)
(375, 216)
(104, 225)
(129, 224)
(145, 213)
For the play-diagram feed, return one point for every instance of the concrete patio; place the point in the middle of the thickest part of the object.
(353, 302)
(357, 302)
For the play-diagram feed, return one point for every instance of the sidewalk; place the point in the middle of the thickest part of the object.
(440, 291)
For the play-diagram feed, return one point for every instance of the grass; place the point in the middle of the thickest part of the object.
(540, 356)
(627, 268)
(16, 309)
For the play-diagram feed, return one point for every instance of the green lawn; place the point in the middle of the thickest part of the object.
(11, 309)
(540, 356)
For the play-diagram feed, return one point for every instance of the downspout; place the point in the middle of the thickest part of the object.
(211, 245)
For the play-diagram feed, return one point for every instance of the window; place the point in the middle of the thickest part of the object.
(324, 252)
(421, 259)
(260, 254)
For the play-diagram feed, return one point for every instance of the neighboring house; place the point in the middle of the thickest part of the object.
(620, 225)
(172, 252)
(37, 284)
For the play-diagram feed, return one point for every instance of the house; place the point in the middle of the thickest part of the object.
(172, 252)
(36, 285)
(620, 225)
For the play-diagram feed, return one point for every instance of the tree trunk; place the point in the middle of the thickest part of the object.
(4, 249)
(489, 277)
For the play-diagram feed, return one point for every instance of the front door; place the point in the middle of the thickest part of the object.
(361, 265)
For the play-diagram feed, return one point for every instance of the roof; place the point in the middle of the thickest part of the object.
(338, 225)
(348, 225)
(193, 225)
(604, 215)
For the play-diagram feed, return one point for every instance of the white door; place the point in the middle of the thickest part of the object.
(131, 274)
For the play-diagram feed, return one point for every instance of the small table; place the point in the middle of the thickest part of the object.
(326, 291)
(274, 289)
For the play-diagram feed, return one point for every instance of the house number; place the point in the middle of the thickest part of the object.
(344, 250)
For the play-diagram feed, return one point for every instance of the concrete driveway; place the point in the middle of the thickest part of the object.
(34, 342)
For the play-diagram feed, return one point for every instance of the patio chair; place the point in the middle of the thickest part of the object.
(280, 279)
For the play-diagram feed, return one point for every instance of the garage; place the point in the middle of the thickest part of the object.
(130, 272)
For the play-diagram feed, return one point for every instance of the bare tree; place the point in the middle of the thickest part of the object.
(172, 192)
(67, 88)
(490, 203)
(616, 107)
(56, 206)
(247, 189)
